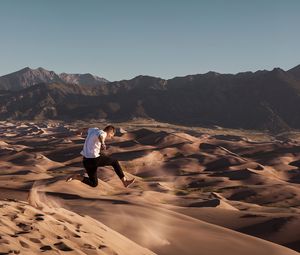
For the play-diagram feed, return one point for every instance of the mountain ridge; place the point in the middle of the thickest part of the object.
(264, 100)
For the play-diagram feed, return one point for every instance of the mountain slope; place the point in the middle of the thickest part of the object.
(27, 77)
(82, 79)
(295, 72)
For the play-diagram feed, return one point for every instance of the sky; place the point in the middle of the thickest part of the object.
(163, 38)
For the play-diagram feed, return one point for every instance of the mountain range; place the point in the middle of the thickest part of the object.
(27, 77)
(265, 100)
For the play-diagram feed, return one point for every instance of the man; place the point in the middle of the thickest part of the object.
(92, 158)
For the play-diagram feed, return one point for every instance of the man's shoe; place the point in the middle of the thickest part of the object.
(127, 183)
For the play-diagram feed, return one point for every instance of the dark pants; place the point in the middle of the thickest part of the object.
(91, 165)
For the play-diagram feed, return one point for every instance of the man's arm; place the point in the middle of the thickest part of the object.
(102, 141)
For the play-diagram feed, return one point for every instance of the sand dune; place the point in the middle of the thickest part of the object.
(196, 192)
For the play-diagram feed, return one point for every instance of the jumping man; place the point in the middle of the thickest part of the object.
(92, 158)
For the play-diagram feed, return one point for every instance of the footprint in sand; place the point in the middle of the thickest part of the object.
(10, 252)
(11, 200)
(46, 248)
(21, 208)
(89, 246)
(34, 240)
(24, 226)
(25, 245)
(13, 217)
(107, 250)
(62, 246)
(39, 216)
(103, 228)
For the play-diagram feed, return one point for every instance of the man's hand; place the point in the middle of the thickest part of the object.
(103, 146)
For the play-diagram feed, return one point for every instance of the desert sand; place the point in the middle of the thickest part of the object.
(197, 191)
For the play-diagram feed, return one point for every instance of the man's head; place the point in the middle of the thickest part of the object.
(110, 130)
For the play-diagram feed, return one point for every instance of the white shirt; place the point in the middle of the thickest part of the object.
(92, 144)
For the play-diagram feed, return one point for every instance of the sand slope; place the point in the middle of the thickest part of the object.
(28, 230)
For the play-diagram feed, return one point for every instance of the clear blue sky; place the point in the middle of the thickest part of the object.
(164, 38)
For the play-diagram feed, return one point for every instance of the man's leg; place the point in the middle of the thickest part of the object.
(104, 160)
(90, 166)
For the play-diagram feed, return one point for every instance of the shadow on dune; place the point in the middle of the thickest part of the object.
(242, 174)
(273, 152)
(223, 163)
(293, 245)
(131, 155)
(242, 195)
(203, 183)
(124, 144)
(62, 155)
(233, 138)
(263, 229)
(209, 203)
(67, 196)
(21, 172)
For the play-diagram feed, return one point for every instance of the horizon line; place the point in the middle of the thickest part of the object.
(257, 70)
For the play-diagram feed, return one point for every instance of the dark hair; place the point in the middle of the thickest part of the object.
(109, 128)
